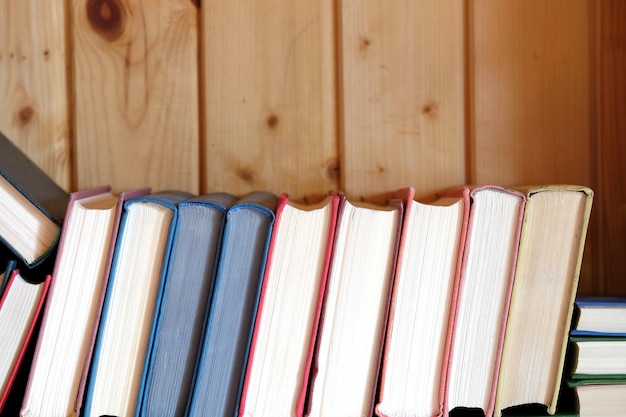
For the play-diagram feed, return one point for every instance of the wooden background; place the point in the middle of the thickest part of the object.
(303, 96)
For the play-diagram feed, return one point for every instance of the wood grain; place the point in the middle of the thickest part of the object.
(402, 95)
(269, 101)
(529, 83)
(307, 96)
(136, 93)
(34, 110)
(609, 147)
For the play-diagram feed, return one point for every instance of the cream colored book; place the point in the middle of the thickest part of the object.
(546, 280)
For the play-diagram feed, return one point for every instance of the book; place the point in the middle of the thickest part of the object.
(356, 305)
(182, 311)
(599, 315)
(289, 308)
(136, 283)
(427, 272)
(482, 301)
(32, 206)
(20, 307)
(597, 357)
(232, 309)
(600, 397)
(551, 247)
(70, 318)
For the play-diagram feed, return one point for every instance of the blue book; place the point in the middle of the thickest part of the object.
(181, 316)
(222, 361)
(128, 322)
(599, 316)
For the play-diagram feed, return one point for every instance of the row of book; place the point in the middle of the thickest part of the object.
(170, 304)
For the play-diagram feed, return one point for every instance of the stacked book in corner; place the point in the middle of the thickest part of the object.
(597, 356)
(595, 370)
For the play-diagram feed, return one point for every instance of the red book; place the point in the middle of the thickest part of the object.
(20, 307)
(289, 308)
(356, 305)
(417, 346)
(481, 301)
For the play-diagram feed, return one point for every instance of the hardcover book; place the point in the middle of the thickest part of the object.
(20, 306)
(127, 325)
(182, 311)
(70, 319)
(232, 308)
(599, 316)
(550, 255)
(594, 357)
(600, 397)
(479, 317)
(32, 206)
(289, 308)
(356, 305)
(427, 273)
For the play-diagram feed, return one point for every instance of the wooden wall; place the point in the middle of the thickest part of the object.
(303, 96)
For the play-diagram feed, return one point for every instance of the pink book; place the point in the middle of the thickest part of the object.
(75, 196)
(413, 283)
(30, 324)
(291, 390)
(482, 297)
(357, 243)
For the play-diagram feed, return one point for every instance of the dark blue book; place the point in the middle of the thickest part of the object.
(182, 314)
(226, 343)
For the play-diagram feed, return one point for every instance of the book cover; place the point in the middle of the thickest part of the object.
(289, 308)
(182, 312)
(348, 349)
(37, 198)
(550, 255)
(430, 253)
(481, 301)
(20, 307)
(71, 314)
(232, 309)
(128, 322)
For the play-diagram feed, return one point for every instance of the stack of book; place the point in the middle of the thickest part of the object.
(171, 304)
(597, 356)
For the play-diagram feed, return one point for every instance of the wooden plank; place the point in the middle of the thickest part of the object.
(136, 93)
(609, 131)
(269, 96)
(529, 91)
(33, 83)
(402, 82)
(529, 94)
